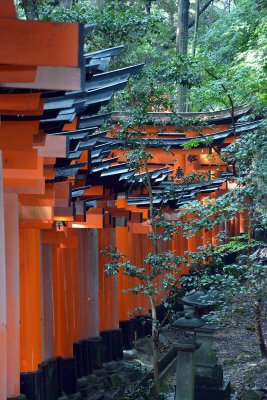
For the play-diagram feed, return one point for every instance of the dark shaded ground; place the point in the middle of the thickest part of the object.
(239, 354)
(237, 351)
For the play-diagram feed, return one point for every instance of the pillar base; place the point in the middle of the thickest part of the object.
(75, 396)
(208, 393)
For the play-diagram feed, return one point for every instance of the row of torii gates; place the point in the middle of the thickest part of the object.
(64, 193)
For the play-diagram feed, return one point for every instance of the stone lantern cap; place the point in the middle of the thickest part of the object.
(188, 322)
(200, 298)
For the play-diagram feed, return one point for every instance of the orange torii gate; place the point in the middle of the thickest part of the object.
(32, 56)
(57, 211)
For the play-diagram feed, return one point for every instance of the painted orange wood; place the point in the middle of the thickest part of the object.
(39, 43)
(52, 236)
(95, 220)
(82, 310)
(20, 102)
(72, 125)
(108, 286)
(63, 287)
(46, 199)
(124, 282)
(19, 139)
(69, 243)
(12, 293)
(17, 74)
(20, 160)
(3, 316)
(30, 299)
(7, 9)
(25, 186)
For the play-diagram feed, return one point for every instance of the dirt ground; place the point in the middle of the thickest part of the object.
(239, 354)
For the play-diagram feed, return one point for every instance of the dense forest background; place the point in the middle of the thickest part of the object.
(201, 55)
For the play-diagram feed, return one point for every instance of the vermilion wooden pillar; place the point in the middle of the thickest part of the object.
(83, 311)
(73, 292)
(88, 308)
(3, 339)
(237, 224)
(12, 293)
(108, 285)
(207, 237)
(47, 289)
(134, 250)
(243, 222)
(139, 247)
(61, 291)
(57, 303)
(30, 299)
(93, 278)
(65, 296)
(123, 281)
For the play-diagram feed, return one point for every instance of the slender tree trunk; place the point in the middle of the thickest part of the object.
(101, 4)
(155, 330)
(182, 28)
(196, 29)
(30, 8)
(259, 332)
(151, 209)
(202, 9)
(155, 339)
(182, 46)
(148, 6)
(66, 3)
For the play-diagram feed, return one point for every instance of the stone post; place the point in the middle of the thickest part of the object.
(208, 372)
(205, 355)
(185, 370)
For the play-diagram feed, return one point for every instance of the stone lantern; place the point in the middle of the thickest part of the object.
(202, 300)
(186, 346)
(209, 383)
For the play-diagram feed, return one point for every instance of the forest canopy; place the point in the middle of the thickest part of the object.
(219, 60)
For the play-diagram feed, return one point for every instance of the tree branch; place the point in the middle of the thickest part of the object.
(201, 10)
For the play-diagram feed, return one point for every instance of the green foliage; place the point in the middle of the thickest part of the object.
(238, 244)
(163, 264)
(231, 50)
(238, 286)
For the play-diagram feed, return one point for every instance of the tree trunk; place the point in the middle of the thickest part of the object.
(30, 8)
(66, 4)
(202, 9)
(259, 332)
(182, 46)
(182, 28)
(155, 339)
(100, 4)
(196, 29)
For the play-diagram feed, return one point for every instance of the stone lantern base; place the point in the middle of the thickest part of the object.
(212, 393)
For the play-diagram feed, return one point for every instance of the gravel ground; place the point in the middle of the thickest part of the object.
(239, 354)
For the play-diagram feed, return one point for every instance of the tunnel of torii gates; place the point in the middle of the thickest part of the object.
(65, 194)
